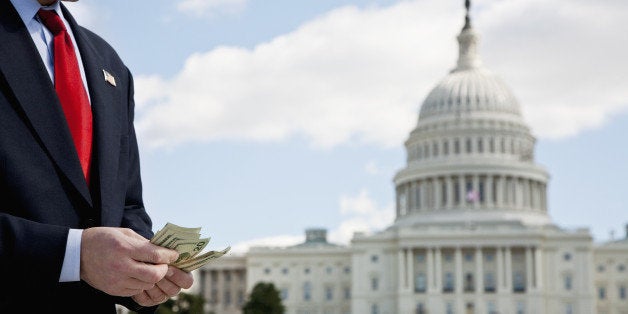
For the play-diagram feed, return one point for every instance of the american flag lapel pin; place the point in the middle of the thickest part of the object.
(109, 78)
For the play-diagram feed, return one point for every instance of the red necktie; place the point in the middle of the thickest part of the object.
(70, 89)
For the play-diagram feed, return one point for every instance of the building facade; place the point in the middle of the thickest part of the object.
(472, 232)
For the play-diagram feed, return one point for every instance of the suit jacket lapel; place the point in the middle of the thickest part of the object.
(106, 128)
(25, 73)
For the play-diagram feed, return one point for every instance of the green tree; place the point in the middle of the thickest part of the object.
(183, 303)
(264, 299)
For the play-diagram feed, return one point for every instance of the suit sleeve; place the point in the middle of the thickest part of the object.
(135, 215)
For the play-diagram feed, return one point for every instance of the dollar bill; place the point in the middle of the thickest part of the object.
(188, 243)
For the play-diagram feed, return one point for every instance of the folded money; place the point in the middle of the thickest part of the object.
(188, 242)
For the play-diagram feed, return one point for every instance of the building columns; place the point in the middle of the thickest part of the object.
(430, 269)
(529, 267)
(410, 265)
(508, 263)
(459, 280)
(439, 271)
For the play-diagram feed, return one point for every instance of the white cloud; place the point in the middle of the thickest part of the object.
(360, 212)
(274, 241)
(203, 7)
(359, 75)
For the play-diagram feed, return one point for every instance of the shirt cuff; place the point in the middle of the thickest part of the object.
(71, 269)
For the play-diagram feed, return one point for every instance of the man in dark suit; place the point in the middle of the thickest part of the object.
(73, 228)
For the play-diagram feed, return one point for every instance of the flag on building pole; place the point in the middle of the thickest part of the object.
(473, 196)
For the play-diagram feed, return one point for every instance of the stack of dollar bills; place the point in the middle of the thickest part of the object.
(188, 243)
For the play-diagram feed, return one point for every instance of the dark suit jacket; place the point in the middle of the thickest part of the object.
(42, 189)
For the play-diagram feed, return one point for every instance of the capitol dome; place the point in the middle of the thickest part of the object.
(470, 158)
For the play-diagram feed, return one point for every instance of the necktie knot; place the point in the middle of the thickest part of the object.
(52, 21)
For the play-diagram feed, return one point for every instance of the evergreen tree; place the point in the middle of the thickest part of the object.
(264, 299)
(183, 303)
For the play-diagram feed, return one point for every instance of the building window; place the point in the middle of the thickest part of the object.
(228, 297)
(468, 282)
(600, 268)
(456, 192)
(470, 307)
(307, 291)
(468, 146)
(374, 309)
(568, 282)
(449, 308)
(347, 293)
(480, 145)
(227, 276)
(567, 257)
(267, 271)
(481, 190)
(347, 270)
(435, 149)
(622, 292)
(420, 258)
(621, 268)
(456, 146)
(214, 296)
(443, 191)
(449, 257)
(329, 270)
(468, 257)
(420, 284)
(489, 257)
(374, 283)
(491, 145)
(329, 293)
(568, 308)
(284, 294)
(417, 195)
(519, 284)
(449, 282)
(284, 271)
(240, 297)
(601, 293)
(491, 308)
(445, 150)
(306, 270)
(420, 309)
(374, 258)
(489, 282)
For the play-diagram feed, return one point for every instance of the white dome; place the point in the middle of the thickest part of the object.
(469, 90)
(471, 156)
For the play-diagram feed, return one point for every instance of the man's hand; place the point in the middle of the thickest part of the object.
(121, 262)
(168, 287)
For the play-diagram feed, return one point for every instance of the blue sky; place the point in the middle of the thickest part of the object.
(258, 119)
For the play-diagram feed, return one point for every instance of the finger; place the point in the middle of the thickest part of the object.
(125, 292)
(148, 273)
(136, 284)
(143, 299)
(150, 253)
(156, 295)
(168, 287)
(180, 278)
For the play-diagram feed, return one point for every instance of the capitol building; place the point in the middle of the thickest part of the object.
(472, 233)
